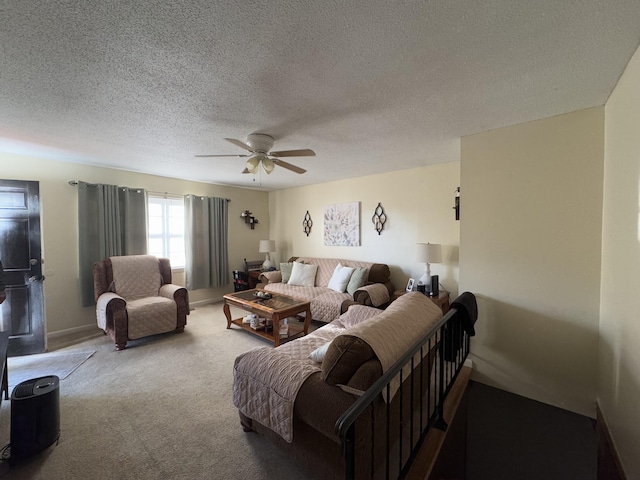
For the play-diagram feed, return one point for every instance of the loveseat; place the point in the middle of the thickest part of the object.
(369, 284)
(294, 394)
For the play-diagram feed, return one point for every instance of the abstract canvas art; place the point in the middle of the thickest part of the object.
(342, 224)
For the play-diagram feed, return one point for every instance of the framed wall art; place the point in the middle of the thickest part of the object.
(342, 224)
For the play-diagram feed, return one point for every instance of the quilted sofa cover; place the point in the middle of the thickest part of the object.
(350, 366)
(325, 302)
(135, 298)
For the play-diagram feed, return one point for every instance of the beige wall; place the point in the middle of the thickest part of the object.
(530, 245)
(60, 227)
(418, 204)
(619, 373)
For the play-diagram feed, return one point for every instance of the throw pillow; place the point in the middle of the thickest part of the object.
(285, 269)
(357, 280)
(340, 278)
(318, 354)
(303, 275)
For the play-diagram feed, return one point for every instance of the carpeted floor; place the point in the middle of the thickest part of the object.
(33, 366)
(161, 409)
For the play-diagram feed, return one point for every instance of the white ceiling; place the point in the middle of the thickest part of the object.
(371, 86)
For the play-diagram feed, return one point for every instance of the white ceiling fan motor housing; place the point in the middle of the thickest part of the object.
(259, 142)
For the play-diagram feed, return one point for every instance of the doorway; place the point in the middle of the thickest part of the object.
(22, 313)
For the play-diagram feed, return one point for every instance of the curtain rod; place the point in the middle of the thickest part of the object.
(74, 183)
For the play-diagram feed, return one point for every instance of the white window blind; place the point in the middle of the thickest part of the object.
(166, 229)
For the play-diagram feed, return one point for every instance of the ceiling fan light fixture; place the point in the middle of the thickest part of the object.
(252, 164)
(268, 165)
(259, 145)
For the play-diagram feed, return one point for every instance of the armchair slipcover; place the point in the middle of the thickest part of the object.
(135, 298)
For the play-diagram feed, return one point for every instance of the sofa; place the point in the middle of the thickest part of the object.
(368, 284)
(294, 394)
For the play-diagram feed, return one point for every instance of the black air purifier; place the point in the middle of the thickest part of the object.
(35, 416)
(435, 285)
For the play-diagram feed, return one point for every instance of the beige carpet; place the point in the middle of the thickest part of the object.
(60, 364)
(161, 409)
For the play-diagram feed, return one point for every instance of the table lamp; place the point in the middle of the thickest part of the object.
(267, 246)
(428, 253)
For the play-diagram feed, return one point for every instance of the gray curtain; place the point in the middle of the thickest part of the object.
(206, 227)
(112, 221)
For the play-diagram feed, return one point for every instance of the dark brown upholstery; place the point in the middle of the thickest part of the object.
(343, 358)
(117, 320)
(318, 407)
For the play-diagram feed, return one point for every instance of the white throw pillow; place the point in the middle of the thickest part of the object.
(303, 275)
(340, 278)
(318, 354)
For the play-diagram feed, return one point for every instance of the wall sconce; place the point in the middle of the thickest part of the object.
(456, 205)
(249, 219)
(307, 223)
(379, 218)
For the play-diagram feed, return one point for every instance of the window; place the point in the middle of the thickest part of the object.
(166, 229)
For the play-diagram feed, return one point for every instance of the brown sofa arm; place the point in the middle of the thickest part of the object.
(319, 405)
(346, 304)
(373, 295)
(274, 276)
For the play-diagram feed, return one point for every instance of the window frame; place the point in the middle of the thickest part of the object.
(164, 201)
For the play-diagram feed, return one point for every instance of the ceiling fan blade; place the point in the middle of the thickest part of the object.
(245, 171)
(239, 144)
(288, 166)
(230, 155)
(294, 153)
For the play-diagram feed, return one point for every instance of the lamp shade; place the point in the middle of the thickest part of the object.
(267, 246)
(252, 164)
(429, 253)
(268, 165)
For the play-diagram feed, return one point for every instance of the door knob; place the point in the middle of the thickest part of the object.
(36, 278)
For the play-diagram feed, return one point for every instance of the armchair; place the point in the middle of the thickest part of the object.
(135, 298)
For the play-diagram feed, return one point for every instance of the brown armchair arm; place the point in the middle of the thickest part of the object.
(181, 296)
(111, 310)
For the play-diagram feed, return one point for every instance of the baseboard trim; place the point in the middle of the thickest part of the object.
(609, 464)
(71, 336)
(201, 303)
(71, 331)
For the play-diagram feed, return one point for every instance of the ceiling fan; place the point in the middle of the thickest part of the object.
(260, 145)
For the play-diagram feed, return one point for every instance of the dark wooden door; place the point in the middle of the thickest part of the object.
(21, 256)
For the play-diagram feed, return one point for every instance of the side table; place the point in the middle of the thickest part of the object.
(254, 276)
(442, 300)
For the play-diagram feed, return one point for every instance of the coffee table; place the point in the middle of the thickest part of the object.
(276, 309)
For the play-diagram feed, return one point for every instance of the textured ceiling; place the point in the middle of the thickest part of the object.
(371, 86)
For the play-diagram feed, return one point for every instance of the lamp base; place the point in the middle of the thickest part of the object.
(268, 264)
(425, 279)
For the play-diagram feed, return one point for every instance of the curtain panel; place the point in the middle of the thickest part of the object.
(112, 221)
(206, 228)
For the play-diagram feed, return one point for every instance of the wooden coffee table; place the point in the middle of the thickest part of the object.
(276, 309)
